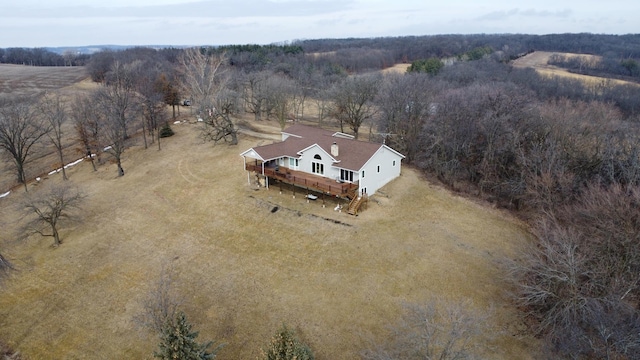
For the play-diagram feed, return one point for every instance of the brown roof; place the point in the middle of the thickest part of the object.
(353, 154)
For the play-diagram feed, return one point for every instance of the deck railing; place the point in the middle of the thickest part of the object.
(305, 180)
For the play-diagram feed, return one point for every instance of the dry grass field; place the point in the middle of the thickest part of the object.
(397, 68)
(538, 61)
(19, 80)
(242, 269)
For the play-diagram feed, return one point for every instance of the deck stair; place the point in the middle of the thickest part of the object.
(356, 203)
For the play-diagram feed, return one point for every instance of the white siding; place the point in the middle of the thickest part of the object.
(308, 158)
(374, 179)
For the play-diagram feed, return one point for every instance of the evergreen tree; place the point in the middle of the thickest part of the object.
(285, 345)
(178, 342)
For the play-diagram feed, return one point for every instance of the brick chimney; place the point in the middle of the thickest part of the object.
(334, 150)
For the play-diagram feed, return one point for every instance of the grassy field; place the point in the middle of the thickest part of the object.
(538, 61)
(242, 269)
(19, 80)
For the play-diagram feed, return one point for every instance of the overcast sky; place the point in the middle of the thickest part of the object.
(41, 23)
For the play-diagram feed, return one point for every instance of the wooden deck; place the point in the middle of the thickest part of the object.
(307, 181)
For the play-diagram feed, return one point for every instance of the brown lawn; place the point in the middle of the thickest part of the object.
(242, 269)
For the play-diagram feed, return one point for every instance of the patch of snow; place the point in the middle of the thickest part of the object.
(200, 120)
(54, 171)
(5, 194)
(73, 163)
(177, 122)
(107, 148)
(38, 178)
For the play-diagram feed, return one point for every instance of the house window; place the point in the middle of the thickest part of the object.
(317, 168)
(362, 174)
(378, 168)
(394, 163)
(293, 163)
(316, 156)
(346, 175)
(281, 161)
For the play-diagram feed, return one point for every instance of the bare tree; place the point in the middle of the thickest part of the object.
(118, 104)
(405, 103)
(20, 130)
(203, 77)
(434, 330)
(113, 135)
(254, 93)
(50, 208)
(53, 109)
(353, 101)
(280, 98)
(205, 81)
(87, 121)
(155, 91)
(218, 125)
(577, 285)
(161, 303)
(154, 115)
(117, 100)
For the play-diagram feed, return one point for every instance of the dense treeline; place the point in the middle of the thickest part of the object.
(41, 57)
(409, 48)
(567, 158)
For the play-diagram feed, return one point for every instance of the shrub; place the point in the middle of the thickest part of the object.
(166, 131)
(285, 345)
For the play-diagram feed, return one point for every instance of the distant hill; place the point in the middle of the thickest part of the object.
(91, 49)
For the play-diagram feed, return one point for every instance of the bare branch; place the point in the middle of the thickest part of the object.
(49, 208)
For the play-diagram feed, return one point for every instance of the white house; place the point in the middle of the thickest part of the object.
(325, 161)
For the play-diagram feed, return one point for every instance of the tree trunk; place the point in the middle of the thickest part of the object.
(144, 134)
(22, 177)
(64, 173)
(234, 138)
(56, 236)
(120, 169)
(90, 156)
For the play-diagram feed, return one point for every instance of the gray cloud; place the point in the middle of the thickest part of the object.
(504, 15)
(208, 8)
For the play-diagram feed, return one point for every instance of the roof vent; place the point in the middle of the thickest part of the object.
(334, 150)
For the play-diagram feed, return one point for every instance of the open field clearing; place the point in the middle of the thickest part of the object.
(397, 68)
(19, 80)
(243, 269)
(538, 61)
